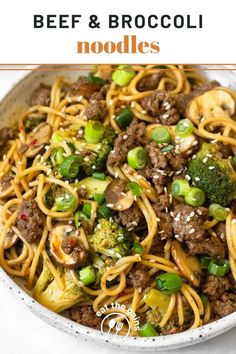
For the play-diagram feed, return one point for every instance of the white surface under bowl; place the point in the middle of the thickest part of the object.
(14, 102)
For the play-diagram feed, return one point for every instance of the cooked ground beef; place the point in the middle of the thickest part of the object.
(220, 230)
(162, 106)
(138, 278)
(130, 218)
(83, 88)
(96, 110)
(5, 181)
(211, 246)
(225, 305)
(225, 150)
(101, 94)
(188, 224)
(200, 89)
(150, 82)
(85, 316)
(134, 135)
(5, 135)
(41, 96)
(162, 165)
(158, 246)
(29, 220)
(188, 227)
(165, 229)
(214, 286)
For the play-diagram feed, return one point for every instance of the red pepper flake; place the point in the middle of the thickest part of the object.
(71, 242)
(33, 142)
(24, 216)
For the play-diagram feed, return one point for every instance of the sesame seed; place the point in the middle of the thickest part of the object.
(110, 103)
(132, 104)
(209, 155)
(233, 221)
(46, 147)
(211, 167)
(197, 179)
(79, 98)
(99, 226)
(125, 137)
(110, 205)
(199, 212)
(165, 116)
(172, 214)
(214, 141)
(177, 236)
(86, 158)
(192, 231)
(192, 214)
(158, 219)
(161, 232)
(49, 171)
(94, 167)
(195, 143)
(188, 177)
(205, 160)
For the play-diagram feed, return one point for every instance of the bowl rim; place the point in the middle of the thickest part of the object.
(159, 343)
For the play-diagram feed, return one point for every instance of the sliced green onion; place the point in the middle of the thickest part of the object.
(105, 212)
(70, 166)
(87, 275)
(137, 158)
(123, 75)
(169, 283)
(99, 175)
(218, 212)
(87, 209)
(180, 187)
(91, 79)
(195, 197)
(99, 198)
(135, 188)
(147, 330)
(57, 157)
(64, 201)
(184, 128)
(204, 299)
(167, 148)
(234, 160)
(204, 262)
(79, 216)
(138, 248)
(93, 131)
(124, 118)
(219, 268)
(161, 135)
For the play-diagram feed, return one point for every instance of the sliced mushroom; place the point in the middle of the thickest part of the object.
(36, 139)
(214, 103)
(188, 265)
(11, 237)
(10, 240)
(117, 196)
(68, 246)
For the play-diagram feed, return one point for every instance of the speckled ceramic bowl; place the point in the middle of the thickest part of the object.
(14, 102)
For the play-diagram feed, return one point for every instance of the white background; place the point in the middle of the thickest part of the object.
(21, 43)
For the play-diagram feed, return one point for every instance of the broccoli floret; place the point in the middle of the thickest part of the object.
(109, 135)
(111, 239)
(154, 317)
(48, 293)
(213, 174)
(94, 161)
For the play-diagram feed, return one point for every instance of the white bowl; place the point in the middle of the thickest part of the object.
(14, 102)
